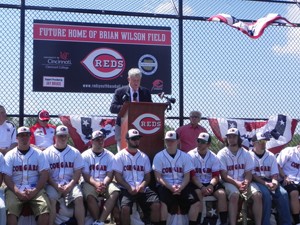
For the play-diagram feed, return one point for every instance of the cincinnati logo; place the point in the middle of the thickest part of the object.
(148, 64)
(104, 63)
(147, 123)
(157, 85)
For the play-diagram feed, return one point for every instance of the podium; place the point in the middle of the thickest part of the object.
(148, 118)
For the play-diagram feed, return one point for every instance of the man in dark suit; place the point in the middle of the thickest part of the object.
(133, 93)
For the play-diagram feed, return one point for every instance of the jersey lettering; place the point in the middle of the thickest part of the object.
(133, 167)
(236, 167)
(26, 168)
(262, 168)
(170, 170)
(295, 165)
(98, 167)
(61, 165)
(205, 170)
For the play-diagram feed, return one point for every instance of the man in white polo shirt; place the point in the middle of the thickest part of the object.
(42, 132)
(7, 133)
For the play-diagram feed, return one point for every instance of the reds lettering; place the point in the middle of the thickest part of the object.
(109, 63)
(61, 165)
(26, 168)
(170, 170)
(236, 167)
(98, 167)
(295, 165)
(262, 168)
(205, 170)
(134, 167)
(150, 123)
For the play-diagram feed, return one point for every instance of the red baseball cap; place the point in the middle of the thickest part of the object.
(43, 115)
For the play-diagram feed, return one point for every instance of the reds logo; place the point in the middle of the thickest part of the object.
(147, 123)
(104, 63)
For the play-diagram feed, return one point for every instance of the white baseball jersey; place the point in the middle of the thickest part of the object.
(266, 166)
(2, 163)
(289, 160)
(24, 169)
(7, 134)
(172, 169)
(63, 164)
(205, 167)
(236, 165)
(132, 167)
(97, 166)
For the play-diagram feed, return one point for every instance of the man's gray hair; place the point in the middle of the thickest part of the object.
(196, 113)
(134, 72)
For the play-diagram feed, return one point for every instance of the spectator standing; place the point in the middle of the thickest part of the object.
(42, 132)
(189, 133)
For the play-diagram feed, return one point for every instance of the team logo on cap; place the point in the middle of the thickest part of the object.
(104, 63)
(63, 129)
(170, 135)
(148, 64)
(147, 123)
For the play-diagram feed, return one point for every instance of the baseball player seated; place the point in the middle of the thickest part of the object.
(236, 173)
(289, 164)
(206, 174)
(98, 174)
(265, 175)
(172, 169)
(132, 172)
(65, 170)
(26, 173)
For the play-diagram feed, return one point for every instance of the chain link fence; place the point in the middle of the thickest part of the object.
(223, 73)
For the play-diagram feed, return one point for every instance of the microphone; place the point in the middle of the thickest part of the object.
(162, 95)
(125, 98)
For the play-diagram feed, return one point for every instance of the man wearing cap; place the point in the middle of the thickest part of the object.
(265, 175)
(207, 171)
(289, 165)
(132, 172)
(42, 132)
(25, 174)
(98, 174)
(66, 164)
(236, 173)
(134, 92)
(7, 132)
(172, 169)
(188, 133)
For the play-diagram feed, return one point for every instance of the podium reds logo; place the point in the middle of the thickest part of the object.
(104, 63)
(147, 123)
